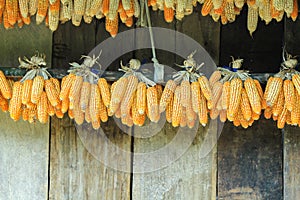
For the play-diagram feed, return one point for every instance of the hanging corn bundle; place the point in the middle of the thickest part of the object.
(187, 96)
(134, 97)
(5, 92)
(236, 96)
(84, 95)
(36, 95)
(282, 94)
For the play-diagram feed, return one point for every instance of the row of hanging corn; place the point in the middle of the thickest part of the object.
(53, 12)
(228, 94)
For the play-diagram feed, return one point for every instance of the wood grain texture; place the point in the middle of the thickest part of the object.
(192, 175)
(24, 150)
(75, 173)
(261, 53)
(70, 43)
(25, 41)
(250, 162)
(291, 168)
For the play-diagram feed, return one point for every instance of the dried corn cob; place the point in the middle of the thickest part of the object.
(203, 118)
(5, 87)
(215, 77)
(253, 95)
(167, 95)
(273, 91)
(295, 113)
(245, 106)
(15, 104)
(37, 88)
(42, 108)
(282, 118)
(52, 93)
(205, 88)
(128, 96)
(84, 96)
(252, 19)
(268, 112)
(105, 91)
(141, 98)
(196, 96)
(94, 103)
(216, 93)
(169, 110)
(289, 94)
(42, 9)
(177, 108)
(185, 95)
(66, 86)
(225, 95)
(278, 105)
(206, 8)
(118, 93)
(296, 81)
(168, 14)
(235, 97)
(152, 104)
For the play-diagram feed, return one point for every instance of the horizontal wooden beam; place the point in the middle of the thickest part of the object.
(109, 75)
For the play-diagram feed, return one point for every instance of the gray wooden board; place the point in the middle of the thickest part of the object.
(291, 135)
(25, 41)
(250, 162)
(24, 150)
(291, 167)
(192, 175)
(75, 169)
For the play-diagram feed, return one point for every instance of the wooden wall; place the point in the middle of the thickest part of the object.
(50, 161)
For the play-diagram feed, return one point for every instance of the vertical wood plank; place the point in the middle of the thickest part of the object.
(25, 41)
(291, 135)
(291, 168)
(24, 147)
(76, 174)
(70, 43)
(24, 152)
(190, 176)
(74, 171)
(250, 162)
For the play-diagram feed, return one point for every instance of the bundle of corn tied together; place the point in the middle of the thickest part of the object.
(236, 96)
(135, 97)
(53, 12)
(187, 96)
(282, 95)
(35, 96)
(5, 91)
(84, 95)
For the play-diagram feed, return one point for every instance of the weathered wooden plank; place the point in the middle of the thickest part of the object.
(191, 175)
(291, 167)
(24, 152)
(75, 171)
(24, 147)
(291, 135)
(250, 162)
(261, 53)
(26, 41)
(70, 43)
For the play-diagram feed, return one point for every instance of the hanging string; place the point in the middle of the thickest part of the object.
(158, 68)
